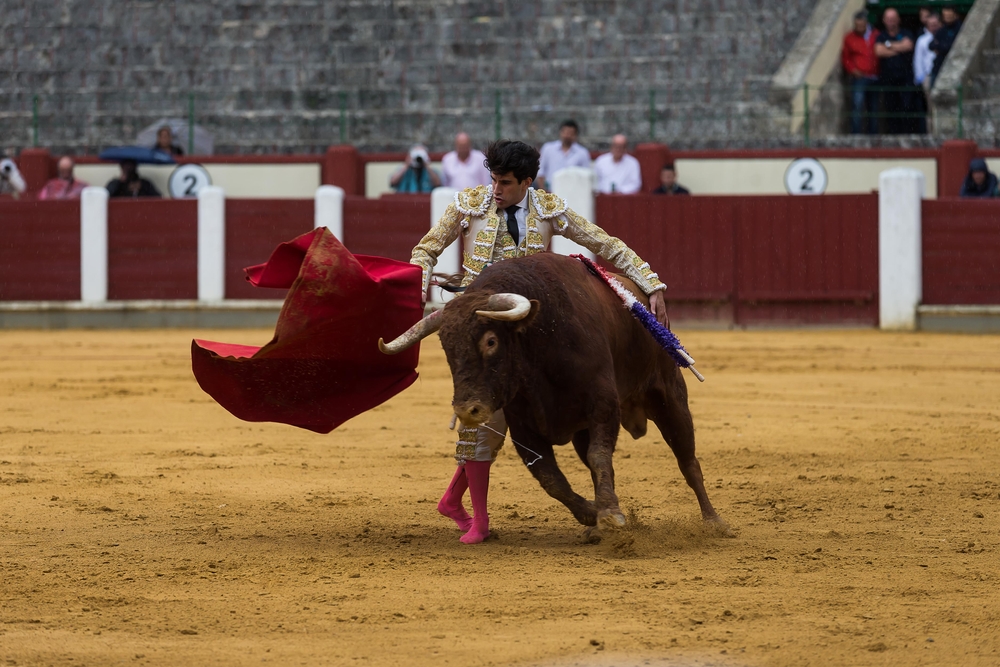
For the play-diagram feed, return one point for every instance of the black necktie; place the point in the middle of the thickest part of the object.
(512, 222)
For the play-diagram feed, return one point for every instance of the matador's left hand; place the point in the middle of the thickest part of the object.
(659, 308)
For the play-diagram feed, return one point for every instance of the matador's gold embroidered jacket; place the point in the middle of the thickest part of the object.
(486, 239)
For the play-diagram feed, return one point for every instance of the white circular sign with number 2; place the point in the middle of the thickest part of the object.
(187, 179)
(805, 176)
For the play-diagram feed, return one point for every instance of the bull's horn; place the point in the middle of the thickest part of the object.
(507, 307)
(413, 335)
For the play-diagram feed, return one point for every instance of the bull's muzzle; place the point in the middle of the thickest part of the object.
(472, 413)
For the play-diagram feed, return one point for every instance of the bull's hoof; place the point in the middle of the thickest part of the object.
(611, 519)
(716, 525)
(591, 535)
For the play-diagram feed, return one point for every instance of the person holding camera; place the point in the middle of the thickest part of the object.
(11, 181)
(416, 175)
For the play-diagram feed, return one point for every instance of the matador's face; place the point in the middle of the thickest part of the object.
(507, 190)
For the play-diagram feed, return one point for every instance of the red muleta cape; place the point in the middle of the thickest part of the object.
(323, 365)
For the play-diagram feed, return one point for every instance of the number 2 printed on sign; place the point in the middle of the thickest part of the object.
(805, 176)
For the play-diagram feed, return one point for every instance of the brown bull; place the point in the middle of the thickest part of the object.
(550, 344)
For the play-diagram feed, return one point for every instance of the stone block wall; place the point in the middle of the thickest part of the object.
(276, 76)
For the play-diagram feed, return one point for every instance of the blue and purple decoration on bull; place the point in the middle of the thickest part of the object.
(664, 336)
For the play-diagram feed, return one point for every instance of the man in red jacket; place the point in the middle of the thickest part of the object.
(861, 66)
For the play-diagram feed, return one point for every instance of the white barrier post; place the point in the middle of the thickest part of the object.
(94, 244)
(900, 274)
(211, 244)
(450, 260)
(329, 210)
(576, 186)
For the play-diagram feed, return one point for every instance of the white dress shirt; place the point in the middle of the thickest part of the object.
(468, 174)
(623, 176)
(923, 57)
(554, 158)
(521, 215)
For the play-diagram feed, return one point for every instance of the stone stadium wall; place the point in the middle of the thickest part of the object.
(273, 75)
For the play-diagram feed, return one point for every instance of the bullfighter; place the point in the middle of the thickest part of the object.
(505, 220)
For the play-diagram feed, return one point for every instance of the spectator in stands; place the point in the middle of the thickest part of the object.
(464, 167)
(944, 38)
(923, 62)
(11, 181)
(668, 182)
(130, 184)
(923, 57)
(893, 49)
(617, 171)
(64, 186)
(416, 175)
(923, 13)
(165, 142)
(857, 57)
(980, 182)
(561, 153)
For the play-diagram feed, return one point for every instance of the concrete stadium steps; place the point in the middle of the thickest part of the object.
(270, 73)
(981, 103)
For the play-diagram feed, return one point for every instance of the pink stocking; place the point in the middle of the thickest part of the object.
(451, 502)
(478, 474)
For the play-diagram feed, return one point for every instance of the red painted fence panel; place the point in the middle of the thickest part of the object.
(687, 240)
(961, 251)
(756, 260)
(39, 250)
(254, 228)
(152, 249)
(387, 227)
(810, 260)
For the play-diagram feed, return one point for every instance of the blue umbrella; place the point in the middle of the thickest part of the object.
(137, 154)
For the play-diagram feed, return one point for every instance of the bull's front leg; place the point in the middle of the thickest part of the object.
(603, 437)
(547, 472)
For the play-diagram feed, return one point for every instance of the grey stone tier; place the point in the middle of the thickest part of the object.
(270, 75)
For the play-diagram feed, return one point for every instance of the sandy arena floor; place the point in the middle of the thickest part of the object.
(142, 524)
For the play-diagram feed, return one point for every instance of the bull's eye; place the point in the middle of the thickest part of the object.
(488, 344)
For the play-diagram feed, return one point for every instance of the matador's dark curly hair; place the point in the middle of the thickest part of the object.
(506, 156)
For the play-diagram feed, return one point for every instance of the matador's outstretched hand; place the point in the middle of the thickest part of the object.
(659, 308)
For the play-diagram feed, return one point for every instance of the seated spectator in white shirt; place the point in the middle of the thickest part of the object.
(464, 167)
(562, 153)
(618, 171)
(923, 57)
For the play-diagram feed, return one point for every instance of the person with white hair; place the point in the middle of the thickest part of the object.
(416, 175)
(617, 171)
(65, 185)
(11, 181)
(465, 166)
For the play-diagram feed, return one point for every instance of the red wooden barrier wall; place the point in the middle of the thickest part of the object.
(388, 227)
(152, 249)
(39, 250)
(961, 251)
(254, 228)
(756, 260)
